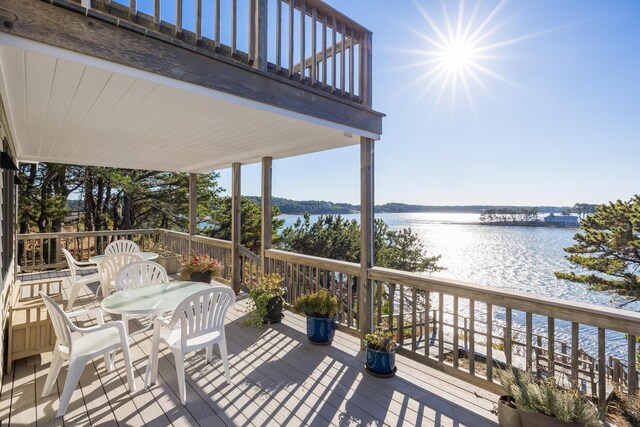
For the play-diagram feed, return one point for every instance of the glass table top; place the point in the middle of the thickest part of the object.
(147, 256)
(153, 298)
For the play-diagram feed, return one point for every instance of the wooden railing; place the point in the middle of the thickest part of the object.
(304, 274)
(400, 296)
(41, 251)
(305, 41)
(465, 329)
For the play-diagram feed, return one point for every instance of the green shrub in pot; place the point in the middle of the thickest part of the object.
(267, 300)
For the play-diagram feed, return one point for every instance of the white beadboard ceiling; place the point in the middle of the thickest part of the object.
(68, 108)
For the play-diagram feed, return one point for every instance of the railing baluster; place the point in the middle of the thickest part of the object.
(489, 342)
(414, 297)
(234, 26)
(350, 302)
(341, 299)
(314, 46)
(507, 336)
(441, 327)
(401, 316)
(602, 378)
(575, 343)
(352, 90)
(216, 28)
(303, 16)
(392, 297)
(472, 337)
(456, 343)
(132, 9)
(178, 28)
(551, 344)
(156, 13)
(278, 35)
(324, 50)
(427, 335)
(632, 378)
(342, 59)
(334, 54)
(291, 22)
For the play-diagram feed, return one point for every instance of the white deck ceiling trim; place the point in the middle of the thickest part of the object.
(71, 108)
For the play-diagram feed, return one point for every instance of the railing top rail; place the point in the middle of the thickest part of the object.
(203, 239)
(588, 314)
(324, 9)
(313, 261)
(86, 233)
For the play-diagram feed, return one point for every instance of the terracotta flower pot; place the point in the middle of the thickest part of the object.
(536, 419)
(508, 414)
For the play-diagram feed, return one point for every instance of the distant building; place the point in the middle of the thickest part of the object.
(562, 220)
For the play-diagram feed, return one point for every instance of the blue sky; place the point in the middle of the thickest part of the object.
(565, 128)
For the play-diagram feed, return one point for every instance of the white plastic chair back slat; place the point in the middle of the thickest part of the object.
(111, 265)
(72, 263)
(60, 321)
(121, 245)
(139, 274)
(202, 313)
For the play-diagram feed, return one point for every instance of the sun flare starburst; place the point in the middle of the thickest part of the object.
(459, 53)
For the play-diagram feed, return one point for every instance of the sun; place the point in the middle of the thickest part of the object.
(457, 56)
(460, 53)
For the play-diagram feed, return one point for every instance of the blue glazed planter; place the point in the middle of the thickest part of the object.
(321, 330)
(381, 362)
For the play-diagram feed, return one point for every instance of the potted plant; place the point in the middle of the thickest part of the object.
(201, 268)
(267, 298)
(321, 308)
(542, 403)
(167, 259)
(381, 353)
(507, 411)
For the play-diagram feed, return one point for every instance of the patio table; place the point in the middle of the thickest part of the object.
(148, 256)
(151, 300)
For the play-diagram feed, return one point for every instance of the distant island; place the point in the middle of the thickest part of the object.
(321, 207)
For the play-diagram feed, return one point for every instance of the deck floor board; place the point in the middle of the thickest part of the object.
(278, 378)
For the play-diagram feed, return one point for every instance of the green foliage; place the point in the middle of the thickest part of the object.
(608, 248)
(337, 238)
(380, 340)
(547, 398)
(318, 304)
(269, 286)
(250, 223)
(109, 198)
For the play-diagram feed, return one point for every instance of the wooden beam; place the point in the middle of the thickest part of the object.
(98, 35)
(365, 288)
(235, 226)
(267, 201)
(193, 204)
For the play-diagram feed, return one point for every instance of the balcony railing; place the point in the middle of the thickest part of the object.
(467, 330)
(303, 41)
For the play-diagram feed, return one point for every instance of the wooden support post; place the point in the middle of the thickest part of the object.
(365, 290)
(193, 204)
(260, 34)
(235, 227)
(266, 211)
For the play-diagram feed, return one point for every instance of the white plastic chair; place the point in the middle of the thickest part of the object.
(136, 275)
(197, 323)
(122, 245)
(100, 340)
(109, 267)
(77, 279)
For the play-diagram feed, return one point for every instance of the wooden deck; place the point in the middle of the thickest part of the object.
(278, 379)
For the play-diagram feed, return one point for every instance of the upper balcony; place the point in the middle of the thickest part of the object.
(275, 78)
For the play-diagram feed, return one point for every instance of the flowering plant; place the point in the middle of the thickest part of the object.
(202, 264)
